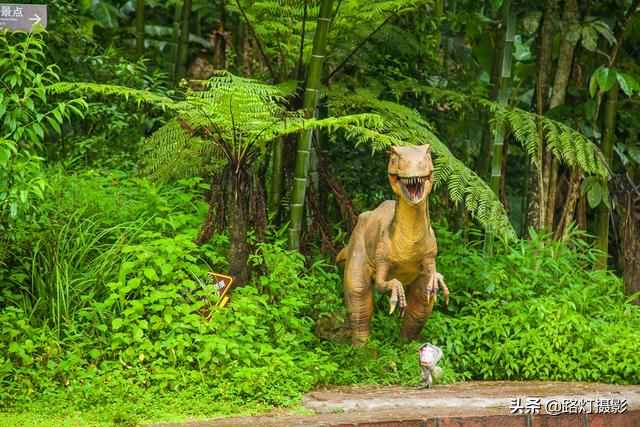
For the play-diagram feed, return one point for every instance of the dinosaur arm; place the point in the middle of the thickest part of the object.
(383, 265)
(435, 281)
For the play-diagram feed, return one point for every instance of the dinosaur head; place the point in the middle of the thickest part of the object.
(410, 172)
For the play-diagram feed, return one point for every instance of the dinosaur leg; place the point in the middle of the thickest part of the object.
(418, 309)
(358, 294)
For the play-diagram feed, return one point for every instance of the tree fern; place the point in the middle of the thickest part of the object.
(564, 142)
(278, 24)
(404, 126)
(240, 117)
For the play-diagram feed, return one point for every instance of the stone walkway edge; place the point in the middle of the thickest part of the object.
(471, 404)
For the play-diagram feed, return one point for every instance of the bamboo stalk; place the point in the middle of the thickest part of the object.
(496, 145)
(483, 161)
(608, 136)
(608, 140)
(310, 101)
(509, 19)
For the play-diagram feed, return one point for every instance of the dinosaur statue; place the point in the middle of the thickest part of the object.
(394, 248)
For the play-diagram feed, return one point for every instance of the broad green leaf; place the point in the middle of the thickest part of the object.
(627, 83)
(54, 124)
(5, 154)
(619, 150)
(634, 153)
(116, 323)
(106, 14)
(589, 38)
(594, 195)
(604, 30)
(150, 274)
(606, 79)
(593, 82)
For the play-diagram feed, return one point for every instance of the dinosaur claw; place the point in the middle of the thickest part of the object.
(439, 279)
(397, 298)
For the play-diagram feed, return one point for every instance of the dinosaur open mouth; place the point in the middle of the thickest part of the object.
(413, 187)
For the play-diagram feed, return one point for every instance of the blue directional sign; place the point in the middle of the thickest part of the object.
(22, 17)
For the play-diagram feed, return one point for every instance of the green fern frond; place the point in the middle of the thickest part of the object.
(231, 119)
(173, 152)
(138, 95)
(404, 126)
(565, 143)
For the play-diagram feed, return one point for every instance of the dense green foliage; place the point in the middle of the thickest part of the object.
(142, 141)
(26, 116)
(121, 310)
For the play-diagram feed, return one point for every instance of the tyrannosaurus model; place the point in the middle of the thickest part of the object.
(394, 248)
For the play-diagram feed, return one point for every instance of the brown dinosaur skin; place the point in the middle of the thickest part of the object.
(394, 248)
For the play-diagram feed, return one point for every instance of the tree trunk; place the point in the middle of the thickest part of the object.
(629, 208)
(239, 40)
(197, 23)
(558, 96)
(239, 250)
(538, 208)
(344, 202)
(220, 48)
(216, 203)
(139, 28)
(573, 193)
(183, 45)
(608, 140)
(552, 192)
(277, 178)
(303, 27)
(176, 40)
(310, 102)
(503, 179)
(582, 212)
(484, 159)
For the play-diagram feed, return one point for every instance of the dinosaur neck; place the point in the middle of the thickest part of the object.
(411, 222)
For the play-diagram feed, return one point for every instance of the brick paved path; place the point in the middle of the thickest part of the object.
(472, 404)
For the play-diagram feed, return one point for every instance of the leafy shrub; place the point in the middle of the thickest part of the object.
(112, 130)
(146, 320)
(538, 311)
(26, 116)
(146, 327)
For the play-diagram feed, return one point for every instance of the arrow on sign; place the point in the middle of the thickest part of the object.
(22, 17)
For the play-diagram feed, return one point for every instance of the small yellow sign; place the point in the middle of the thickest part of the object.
(222, 284)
